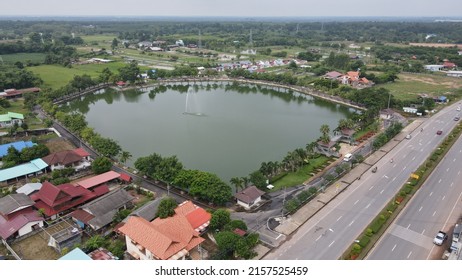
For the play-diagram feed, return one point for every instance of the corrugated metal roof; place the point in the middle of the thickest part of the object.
(29, 188)
(10, 115)
(19, 145)
(75, 255)
(14, 202)
(33, 166)
(99, 179)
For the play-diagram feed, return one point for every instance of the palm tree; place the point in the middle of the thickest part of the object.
(124, 156)
(310, 148)
(325, 130)
(245, 182)
(237, 182)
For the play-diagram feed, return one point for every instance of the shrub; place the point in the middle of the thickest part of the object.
(364, 241)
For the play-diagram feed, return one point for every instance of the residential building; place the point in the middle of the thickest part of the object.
(99, 180)
(102, 254)
(17, 93)
(54, 200)
(29, 188)
(75, 255)
(333, 75)
(196, 216)
(101, 211)
(17, 216)
(433, 68)
(10, 118)
(18, 145)
(23, 171)
(327, 149)
(249, 197)
(172, 238)
(77, 159)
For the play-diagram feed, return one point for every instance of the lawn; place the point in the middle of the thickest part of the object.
(302, 175)
(56, 76)
(23, 57)
(409, 86)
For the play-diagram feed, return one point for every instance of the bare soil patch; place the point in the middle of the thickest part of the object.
(58, 145)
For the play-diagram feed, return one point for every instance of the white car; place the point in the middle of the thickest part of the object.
(347, 157)
(408, 136)
(440, 237)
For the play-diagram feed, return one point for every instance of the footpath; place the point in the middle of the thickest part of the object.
(291, 223)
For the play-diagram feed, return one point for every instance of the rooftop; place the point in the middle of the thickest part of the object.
(14, 202)
(19, 145)
(249, 194)
(99, 179)
(33, 166)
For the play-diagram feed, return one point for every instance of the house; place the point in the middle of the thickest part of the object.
(17, 216)
(144, 44)
(333, 75)
(147, 211)
(63, 235)
(449, 65)
(77, 159)
(54, 200)
(102, 254)
(347, 135)
(75, 255)
(196, 216)
(327, 149)
(172, 238)
(33, 168)
(99, 180)
(249, 197)
(456, 74)
(101, 211)
(121, 83)
(29, 188)
(10, 118)
(17, 93)
(433, 68)
(351, 78)
(19, 145)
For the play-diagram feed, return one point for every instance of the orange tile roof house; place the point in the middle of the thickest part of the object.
(162, 239)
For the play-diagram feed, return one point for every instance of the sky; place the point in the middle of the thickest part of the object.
(240, 8)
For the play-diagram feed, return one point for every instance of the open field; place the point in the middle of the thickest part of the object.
(56, 76)
(409, 86)
(23, 57)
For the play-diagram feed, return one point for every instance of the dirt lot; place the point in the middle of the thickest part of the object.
(58, 144)
(35, 248)
(447, 81)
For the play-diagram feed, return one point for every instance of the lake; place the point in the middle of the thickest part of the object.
(226, 129)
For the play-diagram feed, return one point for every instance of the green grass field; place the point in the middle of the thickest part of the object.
(23, 57)
(409, 86)
(56, 76)
(299, 177)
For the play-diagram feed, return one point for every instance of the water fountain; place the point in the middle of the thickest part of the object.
(191, 103)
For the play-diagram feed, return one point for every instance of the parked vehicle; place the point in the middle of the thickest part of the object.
(440, 237)
(347, 157)
(374, 169)
(439, 132)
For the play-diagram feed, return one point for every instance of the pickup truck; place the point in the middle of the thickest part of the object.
(440, 237)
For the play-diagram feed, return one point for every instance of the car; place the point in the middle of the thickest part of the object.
(458, 109)
(347, 157)
(440, 237)
(456, 118)
(408, 136)
(439, 132)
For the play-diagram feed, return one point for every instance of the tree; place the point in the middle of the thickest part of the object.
(95, 242)
(220, 218)
(124, 156)
(167, 169)
(101, 165)
(234, 224)
(105, 76)
(106, 146)
(258, 179)
(166, 208)
(226, 242)
(24, 126)
(114, 43)
(147, 165)
(237, 182)
(325, 133)
(130, 72)
(121, 215)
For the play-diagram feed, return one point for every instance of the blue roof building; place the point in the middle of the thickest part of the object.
(17, 145)
(75, 255)
(34, 167)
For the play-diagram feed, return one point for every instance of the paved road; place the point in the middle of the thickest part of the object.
(436, 206)
(333, 229)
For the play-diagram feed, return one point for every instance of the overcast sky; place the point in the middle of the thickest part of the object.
(245, 8)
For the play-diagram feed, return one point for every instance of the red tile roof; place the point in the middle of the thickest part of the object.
(125, 177)
(81, 152)
(56, 199)
(15, 223)
(162, 237)
(99, 179)
(82, 215)
(196, 216)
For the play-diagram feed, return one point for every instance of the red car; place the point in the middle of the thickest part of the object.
(439, 132)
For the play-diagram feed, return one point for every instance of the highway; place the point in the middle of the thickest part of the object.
(436, 206)
(333, 229)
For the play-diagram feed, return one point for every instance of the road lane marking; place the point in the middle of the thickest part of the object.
(410, 253)
(422, 150)
(447, 170)
(413, 158)
(404, 168)
(454, 160)
(339, 218)
(443, 197)
(385, 176)
(394, 165)
(318, 238)
(368, 205)
(452, 184)
(382, 191)
(393, 248)
(434, 213)
(371, 188)
(431, 194)
(356, 202)
(351, 223)
(331, 243)
(393, 179)
(408, 226)
(421, 207)
(440, 180)
(458, 173)
(423, 231)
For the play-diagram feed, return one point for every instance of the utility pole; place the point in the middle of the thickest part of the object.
(199, 44)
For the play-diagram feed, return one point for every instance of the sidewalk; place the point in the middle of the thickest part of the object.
(293, 222)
